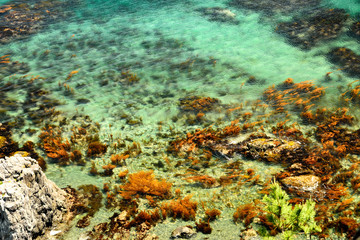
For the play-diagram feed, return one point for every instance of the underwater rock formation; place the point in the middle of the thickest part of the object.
(21, 19)
(183, 232)
(276, 6)
(29, 202)
(355, 30)
(323, 25)
(8, 67)
(197, 104)
(303, 183)
(119, 228)
(263, 148)
(219, 14)
(346, 59)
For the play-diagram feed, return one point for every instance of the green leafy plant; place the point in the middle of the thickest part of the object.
(286, 218)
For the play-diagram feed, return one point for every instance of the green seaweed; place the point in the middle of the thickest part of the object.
(289, 219)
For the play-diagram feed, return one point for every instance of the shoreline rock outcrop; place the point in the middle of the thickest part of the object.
(29, 202)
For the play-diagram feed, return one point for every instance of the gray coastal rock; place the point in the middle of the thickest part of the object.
(29, 202)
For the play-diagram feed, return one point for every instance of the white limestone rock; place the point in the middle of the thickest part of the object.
(29, 202)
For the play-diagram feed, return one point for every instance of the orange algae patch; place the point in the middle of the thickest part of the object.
(203, 227)
(142, 184)
(212, 214)
(150, 218)
(123, 174)
(205, 180)
(54, 146)
(246, 213)
(296, 95)
(118, 158)
(4, 59)
(5, 8)
(108, 169)
(197, 104)
(346, 225)
(180, 208)
(201, 138)
(75, 156)
(96, 148)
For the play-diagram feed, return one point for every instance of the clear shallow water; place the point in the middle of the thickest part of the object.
(175, 52)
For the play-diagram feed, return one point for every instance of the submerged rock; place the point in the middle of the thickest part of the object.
(183, 232)
(306, 183)
(263, 148)
(310, 186)
(276, 6)
(320, 26)
(197, 104)
(20, 19)
(29, 202)
(355, 30)
(347, 59)
(250, 234)
(219, 14)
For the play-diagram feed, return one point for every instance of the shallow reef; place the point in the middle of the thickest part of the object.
(321, 25)
(277, 6)
(193, 120)
(347, 59)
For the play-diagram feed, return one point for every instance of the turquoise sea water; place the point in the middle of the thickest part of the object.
(176, 52)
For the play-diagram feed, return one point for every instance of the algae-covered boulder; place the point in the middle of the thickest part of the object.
(29, 202)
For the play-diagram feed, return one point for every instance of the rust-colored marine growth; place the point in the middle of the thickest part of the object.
(93, 169)
(96, 148)
(202, 138)
(75, 156)
(197, 104)
(4, 59)
(345, 225)
(328, 116)
(246, 213)
(347, 59)
(123, 174)
(142, 184)
(119, 159)
(72, 73)
(108, 169)
(129, 78)
(21, 19)
(182, 208)
(193, 141)
(211, 215)
(53, 144)
(149, 218)
(5, 8)
(88, 199)
(203, 227)
(29, 147)
(205, 181)
(293, 96)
